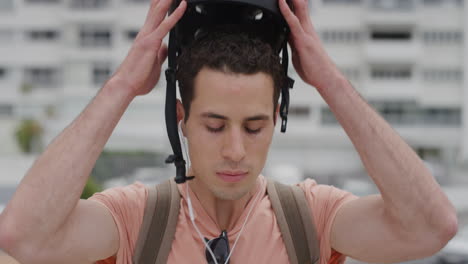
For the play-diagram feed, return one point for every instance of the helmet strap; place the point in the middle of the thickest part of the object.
(171, 114)
(284, 107)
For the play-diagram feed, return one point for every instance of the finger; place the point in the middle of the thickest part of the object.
(150, 14)
(291, 19)
(161, 11)
(162, 54)
(157, 35)
(301, 10)
(157, 14)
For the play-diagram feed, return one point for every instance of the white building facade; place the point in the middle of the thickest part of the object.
(406, 57)
(54, 57)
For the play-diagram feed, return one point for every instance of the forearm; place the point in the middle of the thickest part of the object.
(52, 187)
(411, 195)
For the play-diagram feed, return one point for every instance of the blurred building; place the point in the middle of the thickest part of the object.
(56, 54)
(406, 57)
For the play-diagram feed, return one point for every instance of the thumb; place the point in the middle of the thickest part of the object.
(162, 54)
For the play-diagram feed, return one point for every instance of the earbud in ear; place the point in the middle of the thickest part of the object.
(181, 132)
(183, 140)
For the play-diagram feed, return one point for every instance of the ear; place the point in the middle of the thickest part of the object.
(180, 114)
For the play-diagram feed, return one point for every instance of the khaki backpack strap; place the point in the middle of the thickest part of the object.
(145, 224)
(159, 223)
(308, 224)
(295, 222)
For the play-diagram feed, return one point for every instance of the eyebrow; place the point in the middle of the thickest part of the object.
(218, 116)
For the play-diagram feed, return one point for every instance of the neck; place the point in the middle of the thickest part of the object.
(224, 212)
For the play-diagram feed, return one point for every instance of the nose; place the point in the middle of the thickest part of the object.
(233, 147)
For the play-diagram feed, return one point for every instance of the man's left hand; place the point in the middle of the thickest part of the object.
(309, 57)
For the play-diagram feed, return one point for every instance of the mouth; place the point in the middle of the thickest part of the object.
(232, 176)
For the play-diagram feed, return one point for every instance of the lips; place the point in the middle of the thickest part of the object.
(232, 176)
(232, 173)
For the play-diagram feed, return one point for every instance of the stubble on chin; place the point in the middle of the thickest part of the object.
(230, 195)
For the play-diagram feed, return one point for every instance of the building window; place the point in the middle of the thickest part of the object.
(6, 110)
(42, 1)
(42, 77)
(342, 1)
(406, 113)
(341, 36)
(131, 34)
(327, 117)
(95, 37)
(391, 73)
(442, 75)
(437, 3)
(391, 35)
(6, 5)
(441, 116)
(429, 153)
(101, 72)
(396, 112)
(89, 4)
(301, 111)
(42, 35)
(392, 5)
(3, 73)
(410, 113)
(432, 2)
(443, 37)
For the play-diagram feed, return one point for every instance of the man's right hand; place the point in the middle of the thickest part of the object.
(141, 69)
(45, 221)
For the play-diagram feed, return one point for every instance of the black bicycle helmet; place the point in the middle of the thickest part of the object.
(261, 18)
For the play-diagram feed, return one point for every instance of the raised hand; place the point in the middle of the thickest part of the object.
(141, 69)
(309, 57)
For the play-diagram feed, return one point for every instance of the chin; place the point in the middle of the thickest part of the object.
(230, 194)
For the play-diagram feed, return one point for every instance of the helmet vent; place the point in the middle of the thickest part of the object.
(256, 15)
(197, 33)
(200, 9)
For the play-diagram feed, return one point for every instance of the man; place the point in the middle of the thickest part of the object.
(229, 125)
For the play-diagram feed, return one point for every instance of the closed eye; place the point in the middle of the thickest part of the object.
(253, 131)
(219, 129)
(215, 129)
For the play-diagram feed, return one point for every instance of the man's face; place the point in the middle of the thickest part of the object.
(229, 131)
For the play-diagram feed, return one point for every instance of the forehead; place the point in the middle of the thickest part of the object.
(232, 93)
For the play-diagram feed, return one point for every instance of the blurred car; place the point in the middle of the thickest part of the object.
(456, 251)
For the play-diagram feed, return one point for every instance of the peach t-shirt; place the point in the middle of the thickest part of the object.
(260, 242)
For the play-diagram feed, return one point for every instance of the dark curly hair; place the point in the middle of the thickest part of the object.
(228, 50)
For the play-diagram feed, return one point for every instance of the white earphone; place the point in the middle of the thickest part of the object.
(184, 146)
